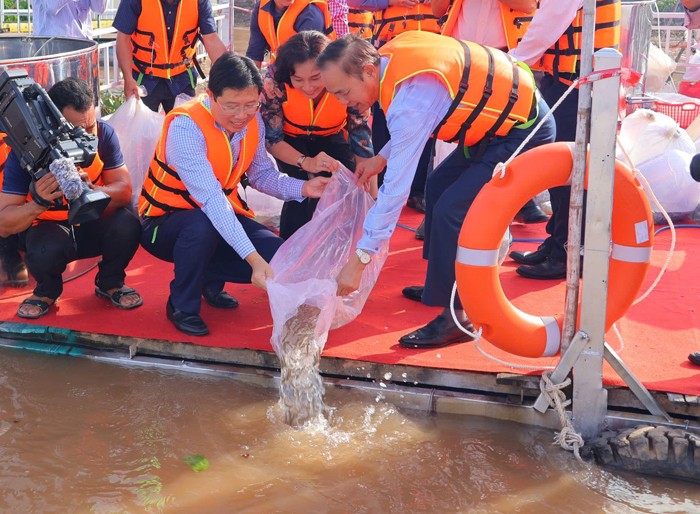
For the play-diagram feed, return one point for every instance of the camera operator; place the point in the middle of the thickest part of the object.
(13, 271)
(49, 240)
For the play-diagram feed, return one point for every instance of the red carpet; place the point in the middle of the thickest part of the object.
(657, 334)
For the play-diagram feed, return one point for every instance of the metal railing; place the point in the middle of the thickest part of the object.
(668, 33)
(109, 73)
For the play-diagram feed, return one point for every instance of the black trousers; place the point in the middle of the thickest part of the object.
(560, 197)
(202, 258)
(296, 214)
(450, 191)
(381, 136)
(51, 245)
(161, 94)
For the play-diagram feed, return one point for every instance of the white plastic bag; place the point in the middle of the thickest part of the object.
(669, 177)
(647, 134)
(692, 71)
(659, 68)
(138, 129)
(307, 264)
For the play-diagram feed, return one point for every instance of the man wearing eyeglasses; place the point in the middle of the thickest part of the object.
(191, 212)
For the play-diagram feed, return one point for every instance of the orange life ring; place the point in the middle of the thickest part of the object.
(478, 281)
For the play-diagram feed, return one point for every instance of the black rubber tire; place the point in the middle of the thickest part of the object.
(650, 450)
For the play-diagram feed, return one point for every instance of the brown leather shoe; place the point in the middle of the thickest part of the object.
(439, 332)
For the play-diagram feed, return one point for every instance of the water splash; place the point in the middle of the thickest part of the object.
(301, 386)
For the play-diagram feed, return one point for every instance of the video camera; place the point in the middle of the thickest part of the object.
(45, 142)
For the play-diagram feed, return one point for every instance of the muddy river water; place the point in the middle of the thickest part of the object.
(83, 436)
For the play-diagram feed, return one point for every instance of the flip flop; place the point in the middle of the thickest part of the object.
(44, 306)
(117, 295)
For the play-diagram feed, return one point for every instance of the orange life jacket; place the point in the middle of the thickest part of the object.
(515, 23)
(151, 53)
(164, 192)
(54, 213)
(4, 152)
(490, 92)
(396, 20)
(277, 36)
(562, 59)
(360, 22)
(301, 118)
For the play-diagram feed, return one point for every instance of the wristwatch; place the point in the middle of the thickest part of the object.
(300, 160)
(364, 256)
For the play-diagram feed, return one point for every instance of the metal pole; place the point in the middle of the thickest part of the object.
(231, 26)
(577, 174)
(589, 397)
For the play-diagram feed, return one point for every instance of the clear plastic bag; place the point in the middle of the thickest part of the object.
(138, 129)
(307, 264)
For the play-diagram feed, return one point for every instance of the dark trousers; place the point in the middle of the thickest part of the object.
(9, 253)
(560, 197)
(296, 214)
(161, 95)
(381, 136)
(202, 258)
(450, 191)
(51, 245)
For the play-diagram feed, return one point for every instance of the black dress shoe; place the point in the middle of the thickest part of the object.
(546, 270)
(420, 231)
(694, 358)
(220, 300)
(191, 324)
(414, 293)
(531, 213)
(417, 202)
(529, 258)
(439, 332)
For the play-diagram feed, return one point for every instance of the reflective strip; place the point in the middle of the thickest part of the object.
(477, 257)
(631, 253)
(553, 336)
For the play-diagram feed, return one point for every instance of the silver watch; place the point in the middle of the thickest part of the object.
(364, 256)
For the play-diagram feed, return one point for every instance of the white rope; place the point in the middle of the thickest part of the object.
(638, 174)
(500, 168)
(477, 337)
(567, 438)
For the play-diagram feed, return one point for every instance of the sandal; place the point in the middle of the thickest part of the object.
(117, 295)
(34, 302)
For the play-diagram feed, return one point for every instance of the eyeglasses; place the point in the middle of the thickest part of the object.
(239, 109)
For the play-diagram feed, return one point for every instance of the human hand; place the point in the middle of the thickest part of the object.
(86, 178)
(403, 3)
(261, 270)
(131, 88)
(47, 188)
(322, 162)
(350, 276)
(526, 6)
(368, 168)
(314, 188)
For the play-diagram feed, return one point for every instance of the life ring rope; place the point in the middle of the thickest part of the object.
(483, 298)
(640, 176)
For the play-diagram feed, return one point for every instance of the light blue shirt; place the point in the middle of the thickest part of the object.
(418, 107)
(70, 18)
(186, 151)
